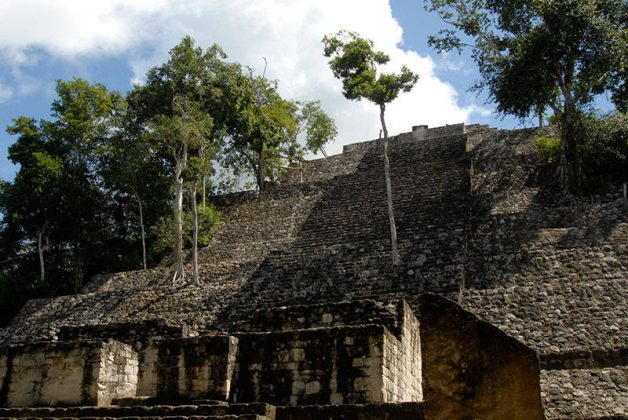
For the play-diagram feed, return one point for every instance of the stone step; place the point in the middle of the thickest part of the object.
(257, 411)
(322, 315)
(407, 410)
(390, 411)
(152, 401)
(225, 417)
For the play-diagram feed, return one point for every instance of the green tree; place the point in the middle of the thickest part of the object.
(543, 53)
(604, 146)
(318, 127)
(59, 157)
(161, 230)
(354, 61)
(82, 114)
(200, 168)
(55, 208)
(262, 129)
(186, 129)
(135, 174)
(30, 199)
(263, 126)
(175, 104)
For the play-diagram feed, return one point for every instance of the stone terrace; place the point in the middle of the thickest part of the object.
(475, 223)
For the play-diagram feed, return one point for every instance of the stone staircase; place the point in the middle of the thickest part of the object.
(342, 249)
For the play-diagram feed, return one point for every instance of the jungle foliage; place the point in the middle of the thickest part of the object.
(114, 182)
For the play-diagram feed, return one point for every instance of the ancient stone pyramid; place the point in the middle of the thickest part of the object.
(511, 301)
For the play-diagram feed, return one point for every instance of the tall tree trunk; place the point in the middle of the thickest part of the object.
(79, 269)
(204, 191)
(569, 166)
(260, 169)
(195, 278)
(141, 211)
(396, 261)
(40, 249)
(540, 110)
(179, 271)
(202, 152)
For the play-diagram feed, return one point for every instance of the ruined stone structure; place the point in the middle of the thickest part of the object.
(511, 301)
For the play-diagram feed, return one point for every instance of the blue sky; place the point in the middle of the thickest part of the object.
(114, 42)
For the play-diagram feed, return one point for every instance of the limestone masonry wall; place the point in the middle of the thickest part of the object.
(67, 373)
(402, 372)
(337, 314)
(473, 370)
(331, 366)
(197, 367)
(327, 364)
(586, 393)
(548, 269)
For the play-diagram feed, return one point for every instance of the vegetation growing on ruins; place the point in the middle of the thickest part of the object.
(117, 182)
(354, 61)
(603, 141)
(534, 55)
(114, 183)
(548, 148)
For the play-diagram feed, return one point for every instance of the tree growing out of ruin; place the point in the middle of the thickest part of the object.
(264, 129)
(188, 128)
(318, 127)
(354, 61)
(178, 102)
(543, 53)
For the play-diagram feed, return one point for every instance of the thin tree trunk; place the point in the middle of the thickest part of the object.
(195, 278)
(141, 210)
(396, 261)
(260, 169)
(204, 191)
(40, 248)
(179, 271)
(568, 166)
(540, 110)
(203, 176)
(79, 270)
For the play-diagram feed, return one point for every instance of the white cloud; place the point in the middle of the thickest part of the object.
(484, 112)
(287, 32)
(5, 92)
(69, 27)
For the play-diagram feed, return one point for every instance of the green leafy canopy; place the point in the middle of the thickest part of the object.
(536, 52)
(354, 61)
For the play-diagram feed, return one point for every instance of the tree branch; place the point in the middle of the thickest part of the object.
(582, 94)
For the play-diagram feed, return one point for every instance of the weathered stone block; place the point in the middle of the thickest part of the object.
(320, 371)
(471, 369)
(87, 373)
(358, 364)
(402, 359)
(198, 367)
